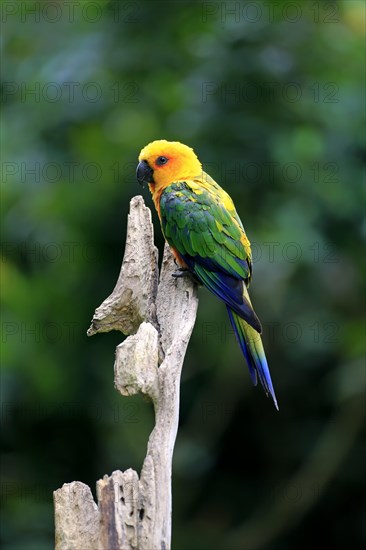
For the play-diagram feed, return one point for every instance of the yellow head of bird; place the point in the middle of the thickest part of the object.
(162, 162)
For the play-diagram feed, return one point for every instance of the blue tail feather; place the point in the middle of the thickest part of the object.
(251, 345)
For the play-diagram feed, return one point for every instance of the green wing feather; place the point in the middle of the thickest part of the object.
(199, 225)
(210, 238)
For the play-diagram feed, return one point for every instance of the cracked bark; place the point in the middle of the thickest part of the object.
(158, 315)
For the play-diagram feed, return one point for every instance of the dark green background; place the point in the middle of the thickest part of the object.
(270, 97)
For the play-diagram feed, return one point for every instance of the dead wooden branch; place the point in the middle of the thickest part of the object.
(132, 512)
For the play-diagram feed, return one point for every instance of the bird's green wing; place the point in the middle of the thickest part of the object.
(199, 220)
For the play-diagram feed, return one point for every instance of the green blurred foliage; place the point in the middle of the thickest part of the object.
(270, 97)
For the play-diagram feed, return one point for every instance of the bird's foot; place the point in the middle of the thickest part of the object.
(181, 272)
(185, 272)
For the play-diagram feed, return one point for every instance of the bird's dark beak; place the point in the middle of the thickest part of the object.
(144, 173)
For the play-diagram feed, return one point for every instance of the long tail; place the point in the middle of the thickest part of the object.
(251, 345)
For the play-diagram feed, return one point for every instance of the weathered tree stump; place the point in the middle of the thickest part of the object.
(159, 314)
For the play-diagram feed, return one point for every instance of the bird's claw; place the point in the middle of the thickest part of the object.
(181, 272)
(185, 272)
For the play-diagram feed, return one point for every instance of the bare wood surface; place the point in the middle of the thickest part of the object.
(77, 517)
(133, 298)
(132, 512)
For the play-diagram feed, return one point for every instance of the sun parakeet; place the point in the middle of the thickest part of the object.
(200, 223)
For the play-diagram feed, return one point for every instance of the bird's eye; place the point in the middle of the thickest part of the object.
(161, 160)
